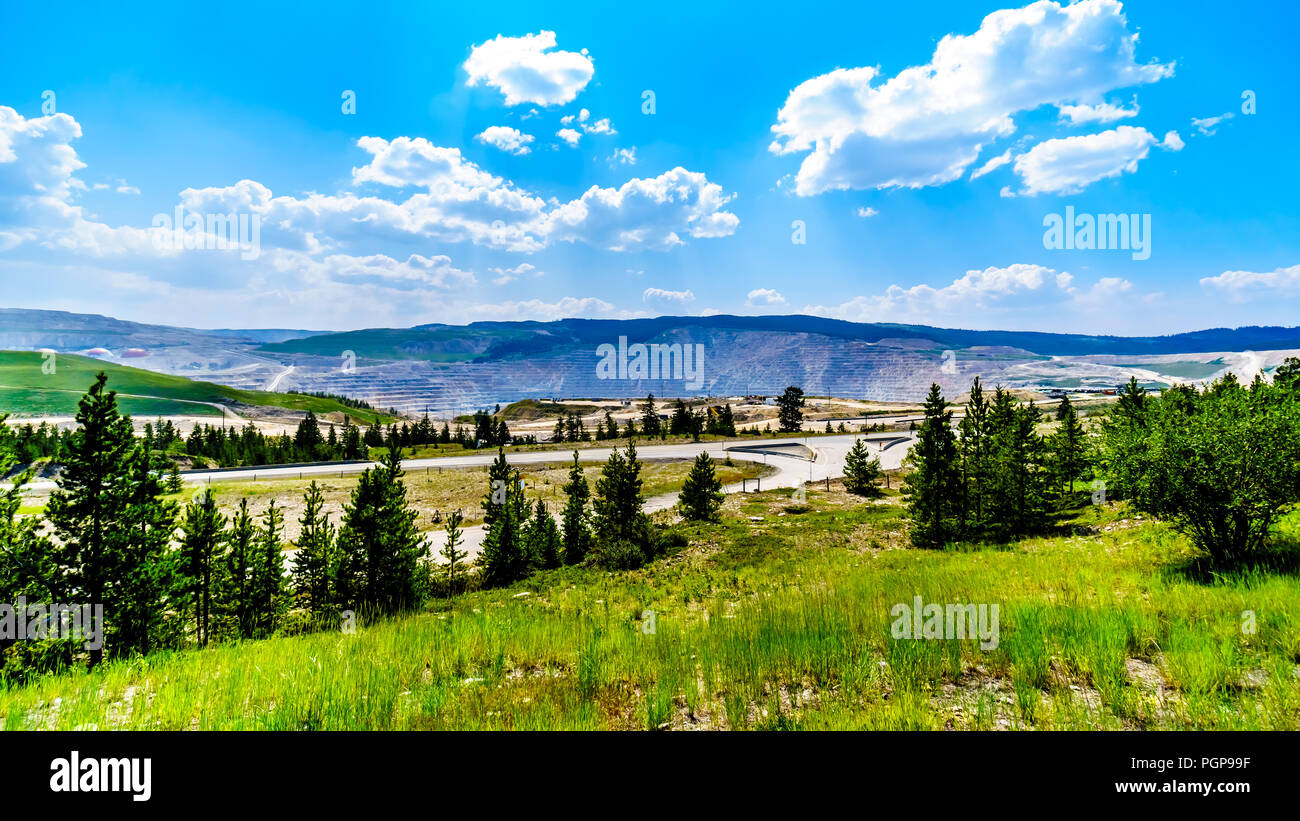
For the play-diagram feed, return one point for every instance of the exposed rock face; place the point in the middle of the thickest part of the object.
(456, 369)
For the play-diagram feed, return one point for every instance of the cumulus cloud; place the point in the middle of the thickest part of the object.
(976, 290)
(660, 296)
(527, 70)
(510, 140)
(1099, 113)
(624, 156)
(570, 136)
(866, 211)
(1070, 164)
(542, 311)
(764, 297)
(1243, 286)
(926, 125)
(649, 213)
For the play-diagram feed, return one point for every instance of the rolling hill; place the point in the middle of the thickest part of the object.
(27, 390)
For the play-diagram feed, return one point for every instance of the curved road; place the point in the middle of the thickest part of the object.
(790, 458)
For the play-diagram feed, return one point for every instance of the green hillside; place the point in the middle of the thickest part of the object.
(26, 390)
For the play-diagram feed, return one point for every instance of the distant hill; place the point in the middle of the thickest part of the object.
(455, 369)
(27, 390)
(486, 341)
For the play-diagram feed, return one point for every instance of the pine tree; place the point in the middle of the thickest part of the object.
(701, 496)
(933, 486)
(577, 525)
(308, 437)
(380, 548)
(974, 447)
(111, 528)
(861, 471)
(650, 423)
(622, 527)
(790, 409)
(237, 597)
(543, 539)
(1068, 448)
(454, 557)
(504, 557)
(202, 542)
(316, 560)
(269, 588)
(680, 421)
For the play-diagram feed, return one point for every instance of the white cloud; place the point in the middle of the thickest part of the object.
(1208, 125)
(645, 213)
(976, 290)
(624, 156)
(1243, 286)
(1172, 142)
(570, 136)
(866, 211)
(659, 295)
(1070, 164)
(1099, 113)
(507, 139)
(526, 70)
(764, 297)
(539, 310)
(992, 165)
(508, 275)
(927, 125)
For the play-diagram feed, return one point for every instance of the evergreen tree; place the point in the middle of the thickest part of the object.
(974, 447)
(202, 541)
(111, 528)
(933, 486)
(650, 417)
(543, 539)
(861, 471)
(237, 599)
(790, 409)
(316, 561)
(679, 424)
(701, 496)
(622, 528)
(454, 566)
(577, 525)
(1068, 447)
(380, 548)
(504, 557)
(268, 586)
(308, 437)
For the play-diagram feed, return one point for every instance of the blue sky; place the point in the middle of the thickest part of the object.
(452, 193)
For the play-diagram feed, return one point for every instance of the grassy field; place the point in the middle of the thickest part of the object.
(26, 390)
(455, 488)
(776, 618)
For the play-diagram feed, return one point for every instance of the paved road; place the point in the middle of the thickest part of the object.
(793, 467)
(789, 457)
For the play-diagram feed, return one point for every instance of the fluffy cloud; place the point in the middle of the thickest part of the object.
(624, 156)
(1242, 286)
(976, 290)
(540, 310)
(866, 212)
(508, 139)
(526, 70)
(763, 297)
(926, 125)
(645, 213)
(508, 275)
(1099, 113)
(1068, 165)
(660, 296)
(570, 136)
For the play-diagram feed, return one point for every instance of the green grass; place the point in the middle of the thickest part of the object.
(782, 622)
(26, 390)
